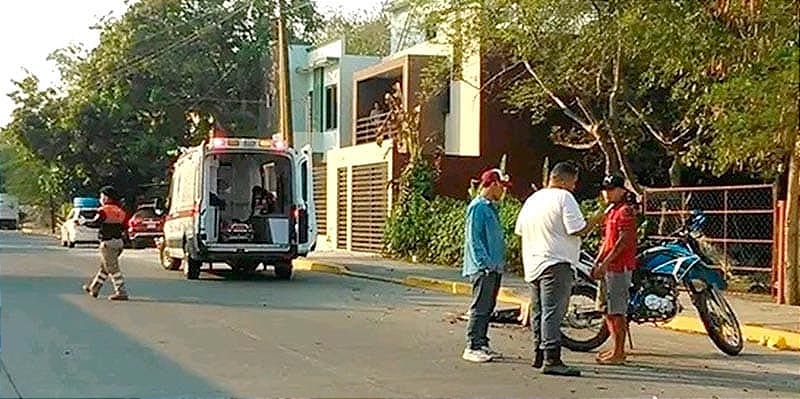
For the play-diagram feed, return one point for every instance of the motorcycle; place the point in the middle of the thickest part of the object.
(663, 267)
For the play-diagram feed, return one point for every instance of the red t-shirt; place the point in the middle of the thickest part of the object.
(620, 218)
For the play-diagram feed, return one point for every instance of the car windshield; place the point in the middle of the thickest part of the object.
(87, 214)
(145, 213)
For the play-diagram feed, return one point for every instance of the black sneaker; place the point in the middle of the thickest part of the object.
(538, 359)
(119, 296)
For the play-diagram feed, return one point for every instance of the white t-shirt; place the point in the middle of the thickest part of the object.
(546, 223)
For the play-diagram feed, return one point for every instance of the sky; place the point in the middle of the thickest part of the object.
(32, 29)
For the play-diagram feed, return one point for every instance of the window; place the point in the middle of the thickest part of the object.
(304, 180)
(88, 214)
(146, 213)
(310, 111)
(430, 33)
(330, 108)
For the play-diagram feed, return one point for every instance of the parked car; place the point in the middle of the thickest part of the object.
(74, 232)
(145, 225)
(9, 212)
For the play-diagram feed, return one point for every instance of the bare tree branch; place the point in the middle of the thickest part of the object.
(575, 146)
(660, 137)
(499, 75)
(585, 111)
(612, 97)
(567, 111)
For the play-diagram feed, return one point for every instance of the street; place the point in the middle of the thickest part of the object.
(318, 335)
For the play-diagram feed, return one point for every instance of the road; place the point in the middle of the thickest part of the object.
(317, 335)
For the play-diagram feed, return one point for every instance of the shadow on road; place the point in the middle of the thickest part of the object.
(637, 371)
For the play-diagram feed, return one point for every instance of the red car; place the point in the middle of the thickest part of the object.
(145, 225)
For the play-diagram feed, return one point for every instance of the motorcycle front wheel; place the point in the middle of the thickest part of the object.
(583, 328)
(719, 320)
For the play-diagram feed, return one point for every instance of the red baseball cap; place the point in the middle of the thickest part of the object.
(495, 176)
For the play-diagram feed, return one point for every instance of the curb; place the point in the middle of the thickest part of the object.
(771, 338)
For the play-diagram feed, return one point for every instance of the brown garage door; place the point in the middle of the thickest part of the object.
(370, 206)
(321, 197)
(341, 208)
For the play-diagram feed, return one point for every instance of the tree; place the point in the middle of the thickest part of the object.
(162, 75)
(626, 74)
(365, 32)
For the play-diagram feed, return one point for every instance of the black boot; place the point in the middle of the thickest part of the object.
(554, 366)
(538, 358)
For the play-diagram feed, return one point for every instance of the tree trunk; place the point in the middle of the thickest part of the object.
(792, 251)
(675, 170)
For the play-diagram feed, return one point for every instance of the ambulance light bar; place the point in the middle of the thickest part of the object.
(223, 142)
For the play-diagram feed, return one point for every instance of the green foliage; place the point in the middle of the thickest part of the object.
(716, 89)
(365, 32)
(433, 231)
(753, 114)
(162, 74)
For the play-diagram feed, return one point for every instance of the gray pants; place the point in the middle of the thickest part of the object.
(485, 288)
(549, 299)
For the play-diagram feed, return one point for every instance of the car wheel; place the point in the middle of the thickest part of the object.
(283, 270)
(168, 262)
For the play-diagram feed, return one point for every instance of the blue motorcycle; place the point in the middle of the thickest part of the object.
(663, 268)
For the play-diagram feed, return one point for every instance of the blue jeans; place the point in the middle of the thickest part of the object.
(549, 299)
(485, 287)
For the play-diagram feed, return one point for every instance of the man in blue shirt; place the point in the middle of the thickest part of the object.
(484, 260)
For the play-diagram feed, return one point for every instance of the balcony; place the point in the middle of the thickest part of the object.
(369, 128)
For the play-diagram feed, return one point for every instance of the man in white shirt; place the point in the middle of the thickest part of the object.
(551, 225)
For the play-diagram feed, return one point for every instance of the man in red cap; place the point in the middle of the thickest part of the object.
(484, 260)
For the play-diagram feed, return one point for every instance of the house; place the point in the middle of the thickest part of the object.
(466, 127)
(321, 84)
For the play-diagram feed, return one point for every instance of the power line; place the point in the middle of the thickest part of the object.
(185, 41)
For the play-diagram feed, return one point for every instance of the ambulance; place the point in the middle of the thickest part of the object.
(245, 202)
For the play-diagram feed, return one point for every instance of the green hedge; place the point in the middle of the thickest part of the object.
(433, 230)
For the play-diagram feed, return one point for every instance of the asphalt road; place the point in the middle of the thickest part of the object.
(318, 335)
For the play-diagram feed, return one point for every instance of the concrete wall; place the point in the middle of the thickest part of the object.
(463, 122)
(298, 82)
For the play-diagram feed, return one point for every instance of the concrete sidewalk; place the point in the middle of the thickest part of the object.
(768, 324)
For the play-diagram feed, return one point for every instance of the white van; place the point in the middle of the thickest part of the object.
(241, 201)
(9, 212)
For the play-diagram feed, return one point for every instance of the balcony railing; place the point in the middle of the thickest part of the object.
(369, 128)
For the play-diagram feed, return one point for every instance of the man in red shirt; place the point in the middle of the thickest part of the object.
(615, 264)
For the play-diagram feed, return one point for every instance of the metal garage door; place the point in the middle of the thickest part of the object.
(321, 197)
(341, 208)
(369, 206)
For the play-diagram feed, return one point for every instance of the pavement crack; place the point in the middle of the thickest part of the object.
(10, 380)
(242, 331)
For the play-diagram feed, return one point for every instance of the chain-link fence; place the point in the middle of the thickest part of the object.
(739, 227)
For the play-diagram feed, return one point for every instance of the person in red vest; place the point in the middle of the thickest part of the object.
(111, 221)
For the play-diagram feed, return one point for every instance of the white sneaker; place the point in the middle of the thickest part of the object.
(487, 350)
(476, 356)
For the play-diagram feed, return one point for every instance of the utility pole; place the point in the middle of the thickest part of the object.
(284, 92)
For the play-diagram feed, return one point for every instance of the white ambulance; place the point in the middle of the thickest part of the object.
(241, 201)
